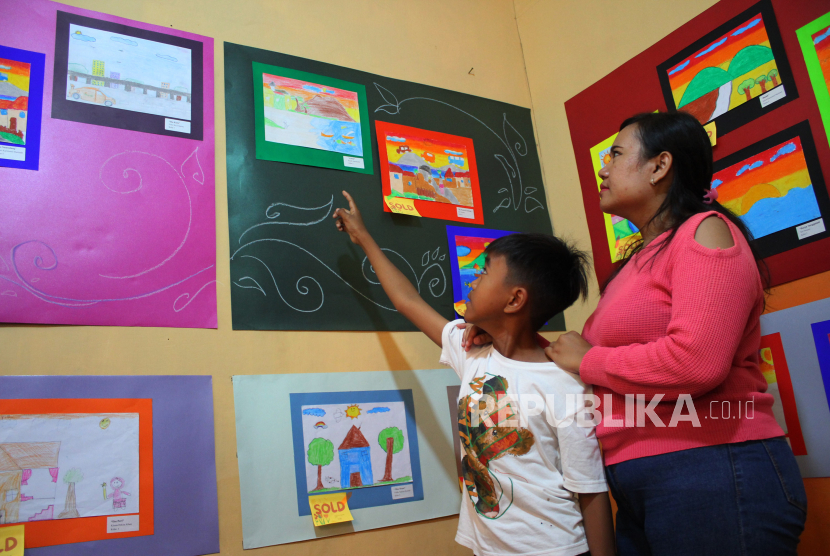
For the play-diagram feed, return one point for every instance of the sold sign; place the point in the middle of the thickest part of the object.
(11, 540)
(330, 508)
(401, 205)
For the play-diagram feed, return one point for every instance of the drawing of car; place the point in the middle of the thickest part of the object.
(91, 94)
(403, 149)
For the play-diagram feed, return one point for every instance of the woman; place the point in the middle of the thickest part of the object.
(701, 466)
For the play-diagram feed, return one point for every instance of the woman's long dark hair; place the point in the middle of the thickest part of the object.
(681, 135)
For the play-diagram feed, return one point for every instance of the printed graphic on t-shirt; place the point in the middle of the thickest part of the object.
(487, 434)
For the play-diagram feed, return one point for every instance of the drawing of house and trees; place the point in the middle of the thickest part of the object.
(60, 466)
(352, 446)
(730, 71)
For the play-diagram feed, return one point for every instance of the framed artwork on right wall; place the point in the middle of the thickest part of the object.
(733, 75)
(814, 39)
(776, 187)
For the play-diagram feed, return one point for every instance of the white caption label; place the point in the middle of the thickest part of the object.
(122, 524)
(353, 162)
(771, 96)
(176, 125)
(810, 228)
(12, 153)
(403, 491)
(465, 213)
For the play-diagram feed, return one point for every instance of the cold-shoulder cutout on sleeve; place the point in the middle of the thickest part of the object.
(714, 233)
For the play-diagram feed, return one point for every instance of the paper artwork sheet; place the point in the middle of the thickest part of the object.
(357, 445)
(310, 119)
(126, 77)
(436, 170)
(620, 232)
(740, 61)
(68, 466)
(467, 259)
(128, 73)
(21, 100)
(311, 115)
(346, 431)
(776, 187)
(814, 39)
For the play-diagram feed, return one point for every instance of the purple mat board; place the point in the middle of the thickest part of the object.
(184, 459)
(117, 226)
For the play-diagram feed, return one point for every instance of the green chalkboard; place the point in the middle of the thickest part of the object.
(291, 269)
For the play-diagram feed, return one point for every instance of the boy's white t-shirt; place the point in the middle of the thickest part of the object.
(521, 472)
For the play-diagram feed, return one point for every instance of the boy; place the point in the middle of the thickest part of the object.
(521, 473)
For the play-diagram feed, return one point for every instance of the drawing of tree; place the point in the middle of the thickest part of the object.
(773, 76)
(391, 441)
(762, 81)
(71, 477)
(743, 88)
(320, 453)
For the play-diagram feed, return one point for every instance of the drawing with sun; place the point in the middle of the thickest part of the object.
(356, 445)
(770, 191)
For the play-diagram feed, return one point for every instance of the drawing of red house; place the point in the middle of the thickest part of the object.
(28, 481)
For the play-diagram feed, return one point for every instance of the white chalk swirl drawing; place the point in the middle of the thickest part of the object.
(436, 285)
(520, 197)
(127, 165)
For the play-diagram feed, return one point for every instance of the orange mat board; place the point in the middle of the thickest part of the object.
(63, 531)
(799, 292)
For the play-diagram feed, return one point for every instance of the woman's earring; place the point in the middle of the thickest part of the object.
(652, 181)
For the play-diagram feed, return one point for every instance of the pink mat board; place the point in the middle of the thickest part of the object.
(116, 227)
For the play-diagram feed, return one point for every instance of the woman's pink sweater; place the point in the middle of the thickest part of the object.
(685, 325)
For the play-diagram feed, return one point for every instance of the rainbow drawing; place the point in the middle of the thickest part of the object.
(726, 73)
(770, 191)
(467, 259)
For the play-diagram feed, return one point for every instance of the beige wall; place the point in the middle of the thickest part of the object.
(567, 45)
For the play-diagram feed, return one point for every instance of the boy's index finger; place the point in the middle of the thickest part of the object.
(352, 206)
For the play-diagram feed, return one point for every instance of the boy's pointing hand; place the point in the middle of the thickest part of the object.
(350, 221)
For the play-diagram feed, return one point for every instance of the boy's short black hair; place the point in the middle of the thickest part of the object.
(555, 273)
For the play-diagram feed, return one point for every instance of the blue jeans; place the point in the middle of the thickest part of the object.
(731, 499)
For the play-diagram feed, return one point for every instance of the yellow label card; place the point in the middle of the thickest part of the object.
(329, 508)
(11, 540)
(401, 205)
(712, 131)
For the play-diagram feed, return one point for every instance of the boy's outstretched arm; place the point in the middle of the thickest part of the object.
(599, 525)
(400, 290)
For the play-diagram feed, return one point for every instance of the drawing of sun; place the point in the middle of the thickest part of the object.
(353, 411)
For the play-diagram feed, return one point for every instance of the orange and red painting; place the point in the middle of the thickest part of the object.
(14, 100)
(821, 40)
(770, 191)
(311, 115)
(428, 167)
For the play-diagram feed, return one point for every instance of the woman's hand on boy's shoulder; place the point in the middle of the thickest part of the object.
(568, 350)
(350, 221)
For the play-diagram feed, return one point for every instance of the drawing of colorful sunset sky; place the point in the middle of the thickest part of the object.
(770, 191)
(730, 71)
(311, 115)
(821, 40)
